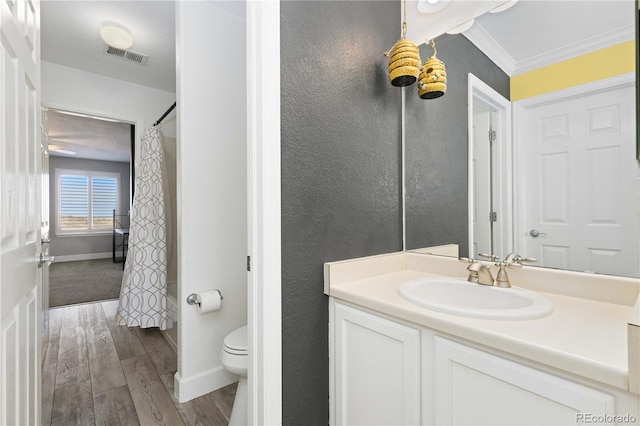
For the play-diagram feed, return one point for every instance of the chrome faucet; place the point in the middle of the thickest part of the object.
(479, 273)
(513, 260)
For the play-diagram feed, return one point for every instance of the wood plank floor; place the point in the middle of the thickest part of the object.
(98, 373)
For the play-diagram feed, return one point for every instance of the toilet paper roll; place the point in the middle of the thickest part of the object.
(210, 301)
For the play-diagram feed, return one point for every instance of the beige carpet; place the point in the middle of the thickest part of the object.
(84, 281)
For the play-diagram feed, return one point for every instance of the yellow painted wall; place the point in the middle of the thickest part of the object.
(603, 63)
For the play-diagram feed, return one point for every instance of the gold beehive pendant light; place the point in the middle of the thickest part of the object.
(433, 77)
(404, 59)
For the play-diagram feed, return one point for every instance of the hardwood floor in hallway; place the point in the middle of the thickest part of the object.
(96, 372)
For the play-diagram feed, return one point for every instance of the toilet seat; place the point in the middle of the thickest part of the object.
(236, 342)
(233, 356)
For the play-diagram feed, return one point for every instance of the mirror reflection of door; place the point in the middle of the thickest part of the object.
(581, 200)
(484, 216)
(490, 171)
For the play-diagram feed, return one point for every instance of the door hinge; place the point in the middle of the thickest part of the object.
(248, 263)
(492, 135)
(493, 217)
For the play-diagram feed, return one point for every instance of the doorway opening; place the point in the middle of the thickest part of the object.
(490, 171)
(90, 186)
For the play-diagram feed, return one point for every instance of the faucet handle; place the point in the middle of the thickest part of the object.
(505, 264)
(491, 257)
(466, 260)
(517, 259)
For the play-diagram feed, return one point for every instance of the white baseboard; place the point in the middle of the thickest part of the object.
(88, 256)
(203, 383)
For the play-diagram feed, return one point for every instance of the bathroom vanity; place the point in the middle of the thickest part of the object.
(394, 362)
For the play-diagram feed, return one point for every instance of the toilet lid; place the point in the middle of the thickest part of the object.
(236, 341)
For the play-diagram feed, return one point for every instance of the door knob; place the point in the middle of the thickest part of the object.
(535, 234)
(42, 259)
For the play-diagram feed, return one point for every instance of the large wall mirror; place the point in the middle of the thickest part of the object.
(562, 181)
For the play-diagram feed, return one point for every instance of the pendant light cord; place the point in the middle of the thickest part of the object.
(433, 46)
(404, 20)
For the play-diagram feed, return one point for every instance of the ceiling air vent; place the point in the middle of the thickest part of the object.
(129, 55)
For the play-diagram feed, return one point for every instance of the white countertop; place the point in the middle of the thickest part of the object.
(582, 336)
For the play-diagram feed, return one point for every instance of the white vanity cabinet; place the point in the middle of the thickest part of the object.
(375, 369)
(472, 386)
(392, 372)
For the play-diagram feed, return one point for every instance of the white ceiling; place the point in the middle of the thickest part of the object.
(70, 36)
(531, 34)
(536, 33)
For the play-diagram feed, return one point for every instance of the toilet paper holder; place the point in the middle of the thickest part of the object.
(194, 298)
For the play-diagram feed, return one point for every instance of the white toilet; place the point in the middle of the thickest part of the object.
(234, 358)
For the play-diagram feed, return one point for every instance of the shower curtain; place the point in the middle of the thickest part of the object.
(143, 295)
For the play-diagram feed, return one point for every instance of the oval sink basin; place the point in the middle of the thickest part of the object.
(459, 297)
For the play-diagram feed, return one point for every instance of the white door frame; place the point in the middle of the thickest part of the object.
(264, 218)
(138, 122)
(480, 92)
(519, 113)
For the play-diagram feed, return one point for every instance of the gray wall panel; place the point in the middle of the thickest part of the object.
(340, 172)
(341, 166)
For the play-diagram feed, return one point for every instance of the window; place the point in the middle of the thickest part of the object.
(86, 201)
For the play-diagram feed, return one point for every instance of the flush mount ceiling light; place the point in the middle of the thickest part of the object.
(432, 6)
(116, 37)
(504, 6)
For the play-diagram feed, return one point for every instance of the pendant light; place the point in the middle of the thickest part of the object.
(404, 59)
(433, 77)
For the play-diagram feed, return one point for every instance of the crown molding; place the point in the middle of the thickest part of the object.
(490, 47)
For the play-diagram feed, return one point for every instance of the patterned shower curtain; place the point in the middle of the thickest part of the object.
(143, 296)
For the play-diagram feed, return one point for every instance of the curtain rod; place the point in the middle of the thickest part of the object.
(165, 114)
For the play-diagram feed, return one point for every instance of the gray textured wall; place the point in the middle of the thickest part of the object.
(436, 146)
(341, 166)
(86, 244)
(340, 172)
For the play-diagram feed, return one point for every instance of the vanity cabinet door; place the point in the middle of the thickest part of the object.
(377, 370)
(475, 387)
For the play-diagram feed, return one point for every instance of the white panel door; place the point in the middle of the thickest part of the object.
(20, 209)
(581, 172)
